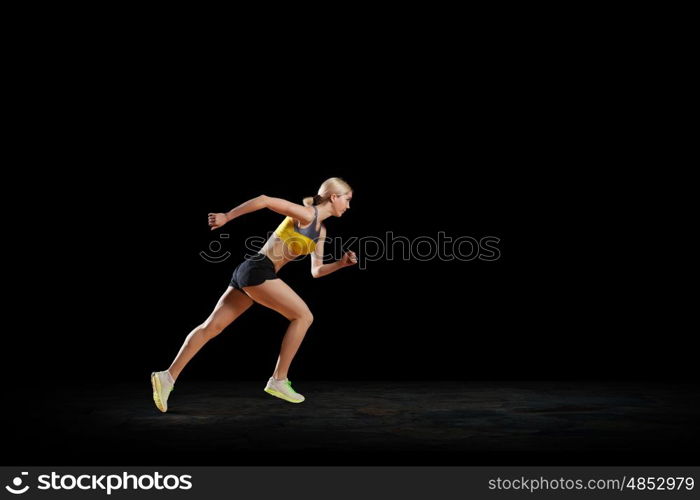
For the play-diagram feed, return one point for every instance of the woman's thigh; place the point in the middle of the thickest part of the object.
(278, 296)
(232, 304)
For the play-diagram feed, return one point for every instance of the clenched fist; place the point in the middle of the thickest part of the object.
(217, 220)
(349, 258)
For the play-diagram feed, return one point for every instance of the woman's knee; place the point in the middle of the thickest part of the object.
(304, 317)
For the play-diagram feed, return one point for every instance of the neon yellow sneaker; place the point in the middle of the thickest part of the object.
(283, 390)
(163, 385)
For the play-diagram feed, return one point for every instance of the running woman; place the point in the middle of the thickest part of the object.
(255, 280)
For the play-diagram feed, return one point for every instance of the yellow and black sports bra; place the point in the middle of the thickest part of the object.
(300, 241)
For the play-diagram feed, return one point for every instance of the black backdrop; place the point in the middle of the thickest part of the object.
(572, 295)
(131, 148)
(583, 288)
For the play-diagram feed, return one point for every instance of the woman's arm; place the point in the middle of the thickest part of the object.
(299, 212)
(318, 268)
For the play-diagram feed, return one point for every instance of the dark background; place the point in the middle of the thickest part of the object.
(537, 153)
(491, 129)
(582, 290)
(574, 294)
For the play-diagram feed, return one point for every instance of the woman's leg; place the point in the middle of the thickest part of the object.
(278, 296)
(231, 305)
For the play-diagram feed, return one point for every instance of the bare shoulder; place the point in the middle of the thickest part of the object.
(304, 214)
(309, 212)
(300, 213)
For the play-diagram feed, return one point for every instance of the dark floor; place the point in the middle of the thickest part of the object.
(440, 423)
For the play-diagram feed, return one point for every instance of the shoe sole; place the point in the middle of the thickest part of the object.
(280, 395)
(155, 382)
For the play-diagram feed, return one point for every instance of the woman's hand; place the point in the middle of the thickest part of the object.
(217, 220)
(348, 259)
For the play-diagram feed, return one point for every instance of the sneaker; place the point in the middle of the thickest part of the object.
(283, 390)
(163, 385)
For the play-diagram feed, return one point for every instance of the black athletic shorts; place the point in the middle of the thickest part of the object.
(253, 271)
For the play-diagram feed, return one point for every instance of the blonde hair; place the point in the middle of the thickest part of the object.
(334, 185)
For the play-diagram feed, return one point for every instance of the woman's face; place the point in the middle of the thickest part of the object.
(341, 203)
